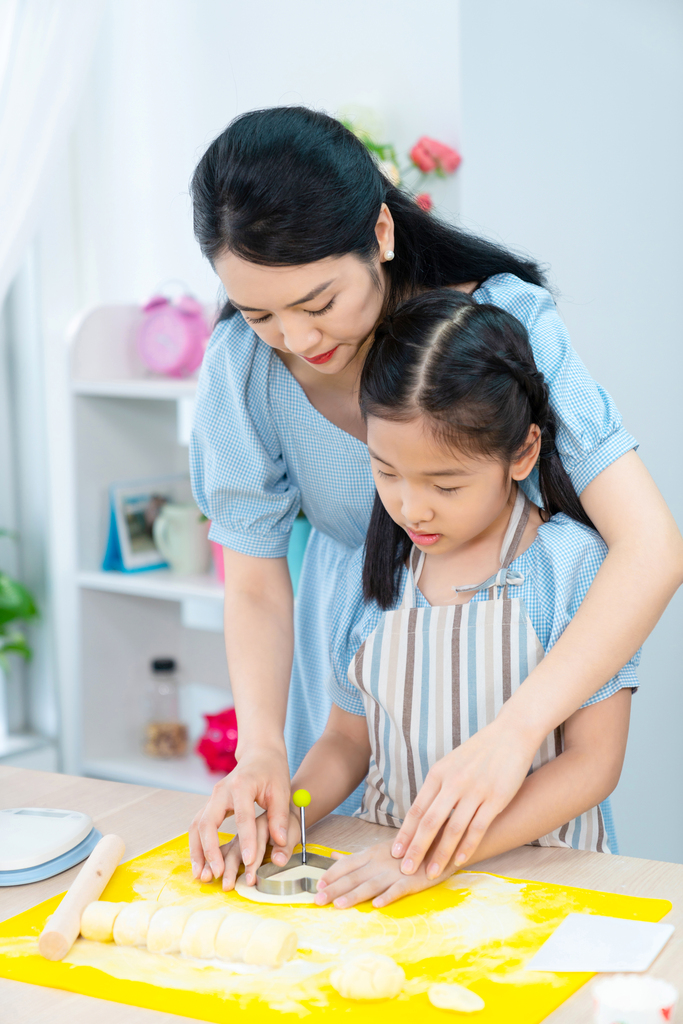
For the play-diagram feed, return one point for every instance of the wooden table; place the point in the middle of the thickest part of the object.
(146, 817)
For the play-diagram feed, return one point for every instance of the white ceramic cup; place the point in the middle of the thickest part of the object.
(181, 535)
(633, 999)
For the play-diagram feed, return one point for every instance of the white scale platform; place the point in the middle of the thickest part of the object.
(39, 842)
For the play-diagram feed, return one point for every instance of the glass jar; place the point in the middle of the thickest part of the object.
(165, 734)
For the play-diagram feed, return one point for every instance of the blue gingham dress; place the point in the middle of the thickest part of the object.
(260, 451)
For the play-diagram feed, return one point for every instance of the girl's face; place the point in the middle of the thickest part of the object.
(441, 497)
(320, 312)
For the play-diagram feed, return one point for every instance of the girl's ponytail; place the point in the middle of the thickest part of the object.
(557, 490)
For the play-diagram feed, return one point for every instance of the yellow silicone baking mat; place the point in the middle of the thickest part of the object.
(477, 929)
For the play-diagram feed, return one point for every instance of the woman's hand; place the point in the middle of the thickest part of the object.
(261, 777)
(232, 853)
(462, 794)
(373, 875)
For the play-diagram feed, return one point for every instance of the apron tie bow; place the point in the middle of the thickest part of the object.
(503, 577)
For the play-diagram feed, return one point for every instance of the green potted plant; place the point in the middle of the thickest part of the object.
(16, 605)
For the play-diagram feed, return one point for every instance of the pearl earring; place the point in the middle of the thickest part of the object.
(388, 255)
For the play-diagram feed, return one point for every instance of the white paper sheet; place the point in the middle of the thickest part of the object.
(590, 942)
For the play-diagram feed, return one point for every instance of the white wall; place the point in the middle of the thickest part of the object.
(573, 148)
(170, 74)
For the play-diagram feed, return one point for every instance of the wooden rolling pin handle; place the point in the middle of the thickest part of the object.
(62, 928)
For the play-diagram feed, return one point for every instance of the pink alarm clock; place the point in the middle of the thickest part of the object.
(172, 337)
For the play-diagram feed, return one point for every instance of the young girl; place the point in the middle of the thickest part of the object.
(457, 417)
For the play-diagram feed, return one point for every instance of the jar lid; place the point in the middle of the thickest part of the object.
(163, 665)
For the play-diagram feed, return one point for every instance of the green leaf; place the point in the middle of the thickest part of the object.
(16, 602)
(14, 644)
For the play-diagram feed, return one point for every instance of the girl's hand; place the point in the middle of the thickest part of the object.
(462, 794)
(373, 875)
(261, 776)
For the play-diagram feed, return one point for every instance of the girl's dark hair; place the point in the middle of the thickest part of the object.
(289, 185)
(470, 370)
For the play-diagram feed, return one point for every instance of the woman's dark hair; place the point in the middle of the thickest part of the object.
(469, 369)
(289, 185)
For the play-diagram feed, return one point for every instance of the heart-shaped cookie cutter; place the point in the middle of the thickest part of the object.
(268, 882)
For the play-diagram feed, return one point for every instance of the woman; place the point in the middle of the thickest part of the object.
(313, 246)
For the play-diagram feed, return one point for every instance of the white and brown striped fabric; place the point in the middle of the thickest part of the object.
(432, 677)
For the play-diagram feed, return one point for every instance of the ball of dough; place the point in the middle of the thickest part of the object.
(131, 924)
(455, 997)
(199, 934)
(271, 944)
(234, 934)
(368, 976)
(97, 920)
(166, 929)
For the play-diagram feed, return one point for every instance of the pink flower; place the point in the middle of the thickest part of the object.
(431, 155)
(424, 201)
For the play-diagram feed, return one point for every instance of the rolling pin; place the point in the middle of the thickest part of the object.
(62, 928)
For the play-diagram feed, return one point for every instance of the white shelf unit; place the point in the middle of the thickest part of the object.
(124, 424)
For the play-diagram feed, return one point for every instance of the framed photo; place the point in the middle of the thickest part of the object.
(135, 504)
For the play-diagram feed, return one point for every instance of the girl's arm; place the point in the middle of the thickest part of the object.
(331, 770)
(580, 778)
(259, 641)
(642, 571)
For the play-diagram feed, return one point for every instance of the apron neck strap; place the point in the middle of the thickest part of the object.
(516, 527)
(416, 563)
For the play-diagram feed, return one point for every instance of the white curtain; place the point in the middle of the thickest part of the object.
(46, 47)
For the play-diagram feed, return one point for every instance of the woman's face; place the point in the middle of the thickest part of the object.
(320, 312)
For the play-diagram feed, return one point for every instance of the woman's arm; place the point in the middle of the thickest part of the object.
(259, 641)
(580, 778)
(642, 571)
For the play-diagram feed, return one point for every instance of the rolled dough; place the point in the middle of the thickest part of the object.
(455, 997)
(199, 935)
(97, 920)
(234, 934)
(166, 929)
(271, 944)
(131, 924)
(368, 976)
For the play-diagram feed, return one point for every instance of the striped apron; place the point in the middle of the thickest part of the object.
(432, 677)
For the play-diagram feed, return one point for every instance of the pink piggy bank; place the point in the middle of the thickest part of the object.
(219, 742)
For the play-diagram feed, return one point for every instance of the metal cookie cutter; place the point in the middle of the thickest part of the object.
(267, 875)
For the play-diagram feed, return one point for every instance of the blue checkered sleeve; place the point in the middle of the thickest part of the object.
(239, 475)
(559, 569)
(590, 433)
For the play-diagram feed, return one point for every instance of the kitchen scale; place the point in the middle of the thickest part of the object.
(39, 842)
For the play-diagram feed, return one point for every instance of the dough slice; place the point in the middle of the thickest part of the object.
(271, 944)
(455, 997)
(166, 929)
(131, 924)
(199, 934)
(368, 976)
(97, 920)
(234, 934)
